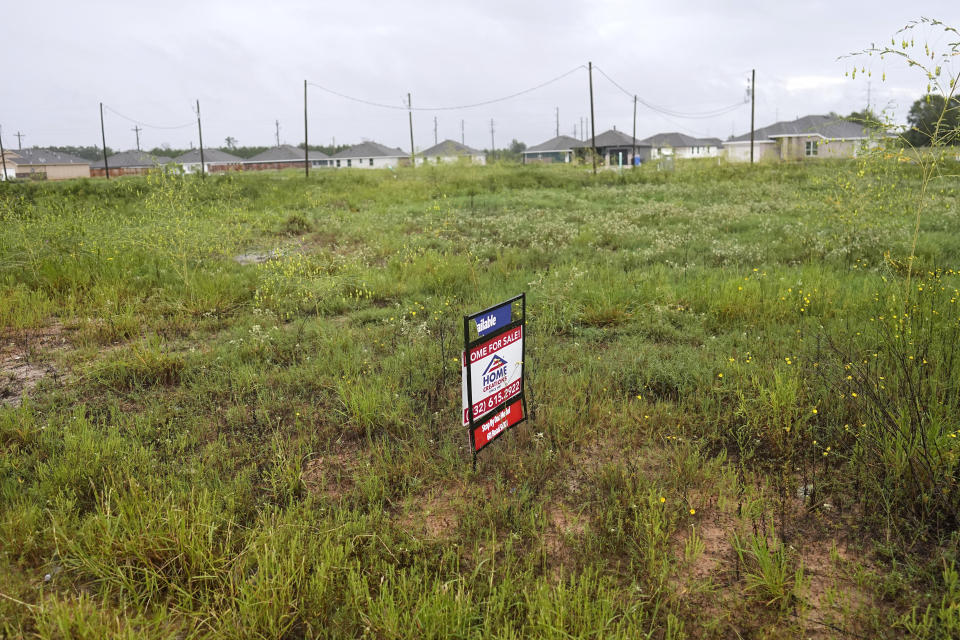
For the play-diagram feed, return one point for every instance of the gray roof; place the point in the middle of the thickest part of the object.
(42, 156)
(133, 160)
(832, 127)
(677, 140)
(371, 149)
(613, 138)
(209, 155)
(285, 153)
(560, 143)
(450, 148)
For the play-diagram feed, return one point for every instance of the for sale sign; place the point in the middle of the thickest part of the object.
(492, 370)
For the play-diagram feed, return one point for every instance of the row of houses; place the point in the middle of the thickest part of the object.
(55, 165)
(814, 136)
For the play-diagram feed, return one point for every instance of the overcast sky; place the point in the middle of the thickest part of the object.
(246, 62)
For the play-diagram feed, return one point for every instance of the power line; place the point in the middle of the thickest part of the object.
(672, 112)
(473, 105)
(144, 124)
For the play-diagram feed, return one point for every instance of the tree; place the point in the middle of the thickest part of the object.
(231, 142)
(867, 118)
(933, 115)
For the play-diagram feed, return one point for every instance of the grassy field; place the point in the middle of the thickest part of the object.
(231, 407)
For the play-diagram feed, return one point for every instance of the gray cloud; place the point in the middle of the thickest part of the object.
(246, 62)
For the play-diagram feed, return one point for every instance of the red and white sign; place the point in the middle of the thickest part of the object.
(496, 373)
(502, 420)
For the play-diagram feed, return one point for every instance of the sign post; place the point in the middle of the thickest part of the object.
(492, 371)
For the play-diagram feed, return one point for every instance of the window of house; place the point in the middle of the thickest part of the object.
(349, 162)
(811, 147)
(338, 163)
(371, 162)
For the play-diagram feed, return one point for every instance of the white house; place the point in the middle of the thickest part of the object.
(680, 145)
(214, 161)
(451, 151)
(370, 155)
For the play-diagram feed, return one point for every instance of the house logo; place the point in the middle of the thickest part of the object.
(495, 374)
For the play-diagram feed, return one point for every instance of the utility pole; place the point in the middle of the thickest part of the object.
(593, 128)
(633, 160)
(434, 129)
(277, 124)
(306, 139)
(3, 156)
(413, 156)
(463, 138)
(20, 137)
(137, 130)
(753, 95)
(103, 138)
(493, 145)
(203, 168)
(558, 121)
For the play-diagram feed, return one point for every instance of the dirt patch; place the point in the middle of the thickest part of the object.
(564, 526)
(256, 257)
(434, 515)
(25, 360)
(333, 473)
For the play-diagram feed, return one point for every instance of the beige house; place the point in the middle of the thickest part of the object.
(805, 138)
(451, 151)
(44, 164)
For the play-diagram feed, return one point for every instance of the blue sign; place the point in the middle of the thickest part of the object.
(499, 317)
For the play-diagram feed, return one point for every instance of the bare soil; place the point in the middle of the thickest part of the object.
(25, 360)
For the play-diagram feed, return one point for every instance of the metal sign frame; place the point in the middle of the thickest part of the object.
(477, 421)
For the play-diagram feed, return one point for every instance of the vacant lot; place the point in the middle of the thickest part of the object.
(231, 408)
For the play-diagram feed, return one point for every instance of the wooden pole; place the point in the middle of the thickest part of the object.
(3, 156)
(203, 168)
(753, 93)
(103, 138)
(413, 156)
(633, 160)
(593, 127)
(306, 139)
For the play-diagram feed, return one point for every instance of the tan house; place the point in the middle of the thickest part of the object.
(805, 138)
(44, 164)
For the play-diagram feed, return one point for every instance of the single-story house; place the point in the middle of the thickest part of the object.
(807, 137)
(44, 164)
(214, 161)
(451, 151)
(284, 157)
(129, 163)
(559, 149)
(371, 155)
(616, 148)
(680, 145)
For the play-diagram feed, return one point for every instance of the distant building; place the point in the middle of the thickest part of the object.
(560, 149)
(284, 157)
(451, 151)
(129, 163)
(680, 145)
(805, 138)
(44, 164)
(615, 148)
(370, 155)
(214, 161)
